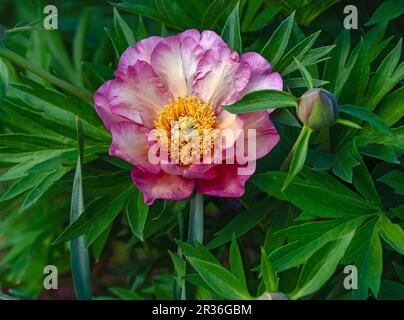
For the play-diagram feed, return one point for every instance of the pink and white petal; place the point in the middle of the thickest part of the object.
(102, 105)
(129, 142)
(140, 95)
(266, 136)
(166, 60)
(193, 171)
(262, 77)
(210, 39)
(220, 76)
(191, 53)
(227, 183)
(229, 125)
(162, 185)
(193, 33)
(141, 51)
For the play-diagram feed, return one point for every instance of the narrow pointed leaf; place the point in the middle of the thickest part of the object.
(268, 273)
(262, 100)
(79, 258)
(231, 31)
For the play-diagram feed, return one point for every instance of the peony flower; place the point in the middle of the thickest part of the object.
(175, 86)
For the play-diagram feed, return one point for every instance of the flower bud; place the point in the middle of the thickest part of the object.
(273, 296)
(318, 109)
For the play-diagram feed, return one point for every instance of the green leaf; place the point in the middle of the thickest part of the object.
(398, 211)
(250, 10)
(344, 164)
(79, 41)
(180, 14)
(382, 152)
(299, 155)
(305, 73)
(98, 221)
(179, 264)
(392, 233)
(320, 267)
(243, 222)
(368, 116)
(318, 193)
(197, 251)
(299, 51)
(262, 100)
(100, 244)
(141, 32)
(296, 253)
(32, 160)
(102, 219)
(34, 195)
(117, 43)
(268, 273)
(79, 258)
(348, 123)
(30, 142)
(101, 72)
(336, 64)
(231, 31)
(399, 271)
(136, 212)
(387, 11)
(220, 280)
(365, 251)
(391, 290)
(61, 56)
(312, 58)
(122, 29)
(374, 40)
(24, 184)
(263, 18)
(125, 294)
(57, 110)
(395, 180)
(384, 78)
(293, 83)
(354, 89)
(391, 110)
(363, 180)
(236, 263)
(275, 47)
(215, 11)
(147, 8)
(311, 9)
(4, 78)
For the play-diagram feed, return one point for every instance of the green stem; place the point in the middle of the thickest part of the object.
(180, 290)
(15, 58)
(195, 231)
(286, 163)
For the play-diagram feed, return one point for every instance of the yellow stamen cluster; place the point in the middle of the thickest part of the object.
(183, 120)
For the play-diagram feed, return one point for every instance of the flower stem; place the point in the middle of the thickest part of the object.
(180, 290)
(20, 61)
(195, 228)
(195, 231)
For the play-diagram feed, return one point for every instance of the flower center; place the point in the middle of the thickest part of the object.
(188, 125)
